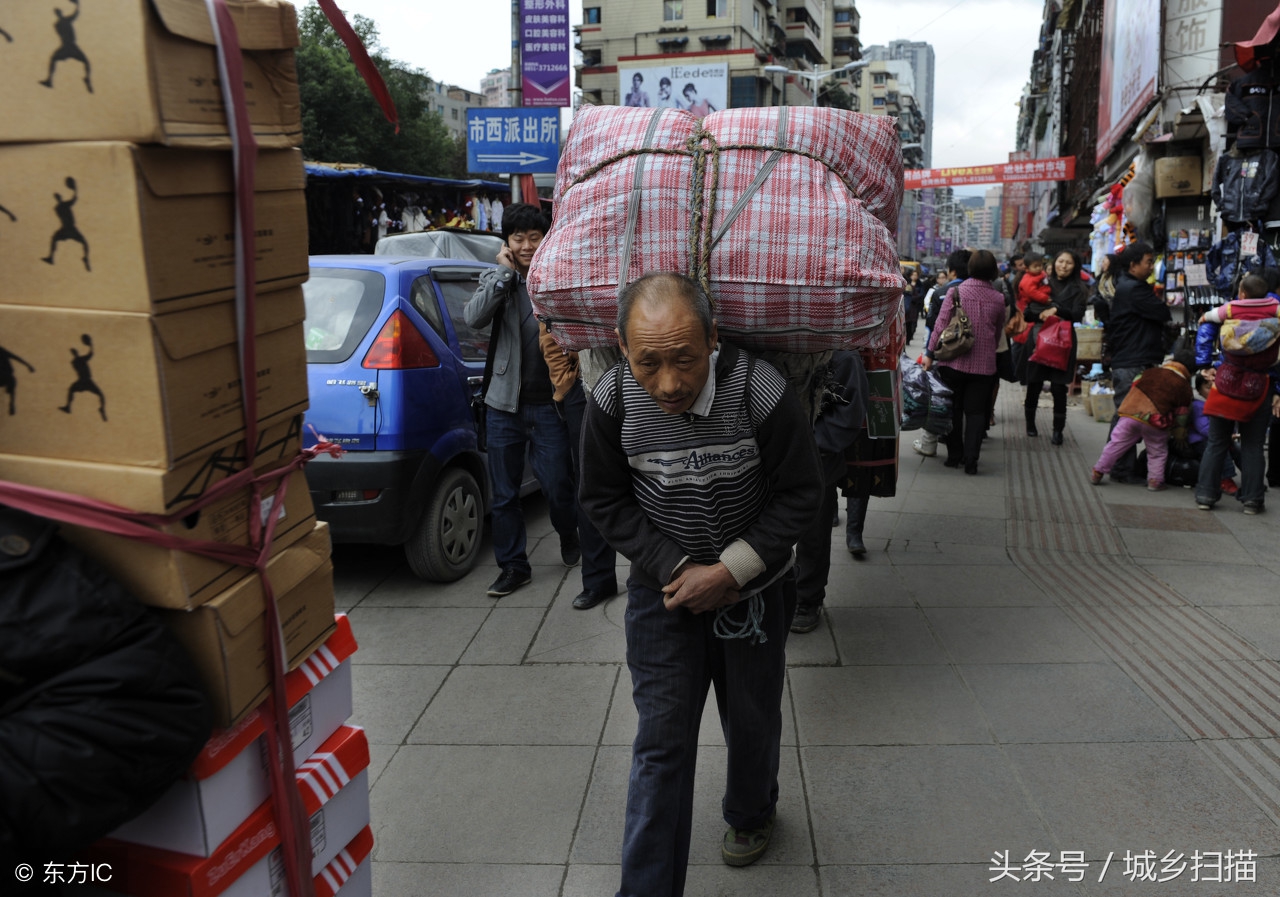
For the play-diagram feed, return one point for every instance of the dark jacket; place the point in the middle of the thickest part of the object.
(1245, 184)
(843, 418)
(1253, 111)
(935, 307)
(100, 707)
(611, 483)
(1070, 297)
(1135, 330)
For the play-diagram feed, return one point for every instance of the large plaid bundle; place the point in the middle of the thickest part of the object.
(787, 214)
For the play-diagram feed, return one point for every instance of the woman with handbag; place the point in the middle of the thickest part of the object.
(963, 345)
(1068, 300)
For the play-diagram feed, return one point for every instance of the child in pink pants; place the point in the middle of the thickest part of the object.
(1147, 413)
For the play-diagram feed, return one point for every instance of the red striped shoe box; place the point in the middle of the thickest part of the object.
(230, 778)
(334, 783)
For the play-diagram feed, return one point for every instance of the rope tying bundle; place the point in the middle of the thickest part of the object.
(703, 148)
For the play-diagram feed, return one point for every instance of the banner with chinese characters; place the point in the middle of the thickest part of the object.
(1062, 168)
(1129, 68)
(546, 78)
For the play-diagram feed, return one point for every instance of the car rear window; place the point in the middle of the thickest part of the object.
(457, 286)
(342, 304)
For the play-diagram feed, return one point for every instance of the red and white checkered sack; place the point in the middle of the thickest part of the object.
(808, 263)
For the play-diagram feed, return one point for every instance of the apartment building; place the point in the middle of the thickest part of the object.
(451, 103)
(496, 87)
(704, 54)
(921, 57)
(888, 88)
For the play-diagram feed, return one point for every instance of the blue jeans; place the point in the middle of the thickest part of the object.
(541, 429)
(598, 558)
(1252, 463)
(673, 655)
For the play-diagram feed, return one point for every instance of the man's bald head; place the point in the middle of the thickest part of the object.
(662, 288)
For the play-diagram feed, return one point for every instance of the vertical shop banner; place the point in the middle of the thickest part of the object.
(700, 89)
(928, 220)
(544, 52)
(1130, 67)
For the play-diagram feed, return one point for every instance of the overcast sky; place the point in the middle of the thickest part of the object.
(983, 50)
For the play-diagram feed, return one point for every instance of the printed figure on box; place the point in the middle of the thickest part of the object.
(70, 49)
(8, 378)
(84, 379)
(68, 229)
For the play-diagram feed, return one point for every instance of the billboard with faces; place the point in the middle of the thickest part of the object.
(700, 89)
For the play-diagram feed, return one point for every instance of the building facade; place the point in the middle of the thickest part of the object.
(888, 88)
(496, 87)
(1123, 87)
(920, 56)
(451, 103)
(719, 47)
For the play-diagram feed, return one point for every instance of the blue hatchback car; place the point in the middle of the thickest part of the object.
(392, 369)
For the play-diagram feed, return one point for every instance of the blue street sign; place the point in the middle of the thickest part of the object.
(513, 141)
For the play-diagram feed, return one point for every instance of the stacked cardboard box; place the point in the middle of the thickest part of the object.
(215, 833)
(119, 352)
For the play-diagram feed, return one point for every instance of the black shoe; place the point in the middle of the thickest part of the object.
(589, 598)
(855, 544)
(971, 468)
(1056, 438)
(951, 462)
(507, 582)
(1032, 431)
(807, 618)
(570, 553)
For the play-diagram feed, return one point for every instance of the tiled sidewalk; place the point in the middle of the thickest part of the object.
(1022, 663)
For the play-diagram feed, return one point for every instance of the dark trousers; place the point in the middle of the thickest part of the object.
(598, 558)
(1252, 434)
(1059, 393)
(539, 428)
(813, 552)
(673, 656)
(970, 396)
(1273, 453)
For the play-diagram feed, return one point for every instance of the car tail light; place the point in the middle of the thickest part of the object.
(399, 345)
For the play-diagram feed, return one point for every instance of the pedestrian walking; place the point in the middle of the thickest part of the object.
(970, 375)
(913, 299)
(956, 271)
(520, 417)
(699, 466)
(1068, 300)
(841, 421)
(599, 560)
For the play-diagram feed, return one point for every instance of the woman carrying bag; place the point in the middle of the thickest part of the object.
(1068, 299)
(966, 355)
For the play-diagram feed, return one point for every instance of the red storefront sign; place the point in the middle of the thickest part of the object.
(1062, 168)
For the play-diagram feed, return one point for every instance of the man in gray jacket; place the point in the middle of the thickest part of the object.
(519, 409)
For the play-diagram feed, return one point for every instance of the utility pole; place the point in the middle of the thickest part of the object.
(515, 93)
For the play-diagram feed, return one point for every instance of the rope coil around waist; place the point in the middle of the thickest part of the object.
(749, 628)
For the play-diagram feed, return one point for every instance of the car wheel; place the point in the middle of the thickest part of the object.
(446, 543)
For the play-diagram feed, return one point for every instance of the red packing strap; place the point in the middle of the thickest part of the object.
(364, 65)
(295, 829)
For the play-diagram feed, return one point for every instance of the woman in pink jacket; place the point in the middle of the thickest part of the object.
(972, 375)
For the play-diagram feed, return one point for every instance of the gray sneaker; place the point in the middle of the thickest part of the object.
(807, 618)
(743, 846)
